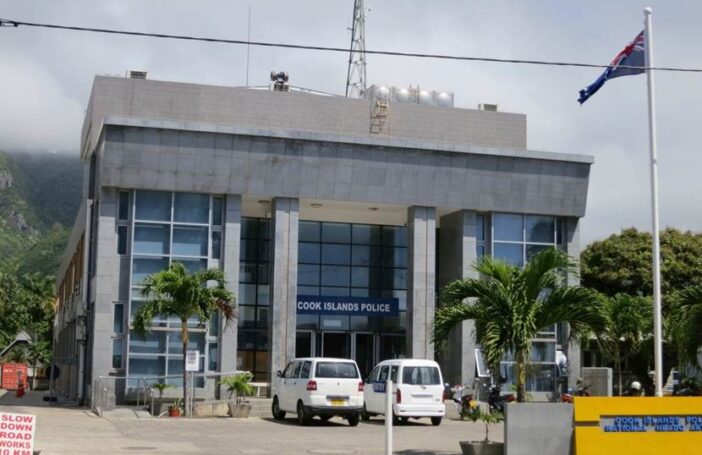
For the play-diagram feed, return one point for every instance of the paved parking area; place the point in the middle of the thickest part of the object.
(70, 430)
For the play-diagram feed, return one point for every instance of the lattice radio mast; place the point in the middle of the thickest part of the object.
(356, 74)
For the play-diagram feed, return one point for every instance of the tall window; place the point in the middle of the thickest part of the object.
(339, 259)
(516, 238)
(171, 227)
(253, 297)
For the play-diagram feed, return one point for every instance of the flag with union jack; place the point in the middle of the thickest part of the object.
(631, 56)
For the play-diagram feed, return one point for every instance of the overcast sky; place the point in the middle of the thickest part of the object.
(46, 75)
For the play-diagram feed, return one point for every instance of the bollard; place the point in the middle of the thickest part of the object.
(388, 417)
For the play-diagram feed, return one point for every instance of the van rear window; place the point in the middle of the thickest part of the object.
(346, 370)
(420, 375)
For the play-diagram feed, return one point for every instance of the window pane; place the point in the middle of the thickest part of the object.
(153, 205)
(394, 279)
(262, 274)
(247, 272)
(153, 343)
(540, 229)
(263, 294)
(480, 227)
(360, 277)
(217, 208)
(335, 291)
(151, 239)
(543, 351)
(213, 357)
(335, 275)
(134, 306)
(262, 317)
(309, 231)
(308, 253)
(249, 228)
(247, 316)
(147, 366)
(509, 252)
(508, 227)
(336, 254)
(190, 241)
(196, 341)
(121, 239)
(307, 290)
(394, 257)
(308, 275)
(533, 250)
(336, 232)
(192, 208)
(142, 267)
(364, 323)
(361, 255)
(214, 325)
(118, 318)
(193, 266)
(480, 251)
(330, 322)
(264, 229)
(366, 235)
(247, 294)
(249, 250)
(394, 236)
(307, 321)
(123, 205)
(117, 353)
(216, 244)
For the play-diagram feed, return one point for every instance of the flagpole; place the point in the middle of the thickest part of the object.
(657, 327)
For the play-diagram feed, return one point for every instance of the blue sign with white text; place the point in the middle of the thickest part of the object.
(350, 306)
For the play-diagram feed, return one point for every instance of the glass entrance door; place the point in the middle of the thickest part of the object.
(364, 350)
(304, 344)
(335, 344)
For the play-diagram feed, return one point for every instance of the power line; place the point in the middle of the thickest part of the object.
(13, 23)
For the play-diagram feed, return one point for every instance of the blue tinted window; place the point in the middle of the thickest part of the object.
(366, 234)
(336, 254)
(309, 231)
(217, 211)
(308, 253)
(394, 236)
(153, 206)
(151, 239)
(510, 252)
(540, 229)
(192, 208)
(480, 227)
(308, 275)
(143, 267)
(335, 275)
(336, 233)
(508, 227)
(190, 241)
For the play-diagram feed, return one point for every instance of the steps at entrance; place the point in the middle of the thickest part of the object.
(261, 407)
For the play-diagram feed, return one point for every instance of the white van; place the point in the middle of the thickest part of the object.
(417, 388)
(317, 386)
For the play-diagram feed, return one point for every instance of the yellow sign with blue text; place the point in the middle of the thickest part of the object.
(638, 426)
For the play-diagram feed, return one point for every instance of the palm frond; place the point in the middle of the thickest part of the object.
(581, 308)
(449, 316)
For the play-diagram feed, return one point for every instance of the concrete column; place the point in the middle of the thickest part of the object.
(571, 242)
(230, 266)
(106, 286)
(421, 281)
(282, 318)
(458, 253)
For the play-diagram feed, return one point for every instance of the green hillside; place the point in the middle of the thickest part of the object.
(39, 198)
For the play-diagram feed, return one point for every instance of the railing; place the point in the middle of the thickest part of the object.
(110, 392)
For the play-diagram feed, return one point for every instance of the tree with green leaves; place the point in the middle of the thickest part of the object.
(629, 322)
(689, 325)
(512, 304)
(175, 292)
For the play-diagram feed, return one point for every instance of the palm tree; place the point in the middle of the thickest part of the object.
(512, 304)
(690, 324)
(175, 292)
(629, 322)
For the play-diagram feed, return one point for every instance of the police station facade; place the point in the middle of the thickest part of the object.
(334, 235)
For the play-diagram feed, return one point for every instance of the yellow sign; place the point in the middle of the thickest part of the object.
(638, 426)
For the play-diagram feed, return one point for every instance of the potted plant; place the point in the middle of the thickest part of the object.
(484, 447)
(174, 408)
(161, 386)
(240, 385)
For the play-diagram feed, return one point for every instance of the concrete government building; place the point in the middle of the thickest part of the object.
(336, 222)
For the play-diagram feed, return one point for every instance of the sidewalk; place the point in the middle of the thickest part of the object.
(63, 430)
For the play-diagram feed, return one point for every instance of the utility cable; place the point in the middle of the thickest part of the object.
(13, 23)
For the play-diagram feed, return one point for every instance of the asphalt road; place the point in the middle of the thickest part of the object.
(71, 430)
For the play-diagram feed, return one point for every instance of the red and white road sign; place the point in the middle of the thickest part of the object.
(17, 433)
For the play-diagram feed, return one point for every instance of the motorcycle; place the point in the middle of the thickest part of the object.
(497, 399)
(579, 391)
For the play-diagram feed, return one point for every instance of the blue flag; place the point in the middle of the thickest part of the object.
(632, 55)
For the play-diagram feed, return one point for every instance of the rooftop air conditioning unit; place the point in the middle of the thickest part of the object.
(136, 74)
(488, 107)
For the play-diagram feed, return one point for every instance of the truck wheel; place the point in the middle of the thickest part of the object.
(436, 421)
(354, 419)
(302, 417)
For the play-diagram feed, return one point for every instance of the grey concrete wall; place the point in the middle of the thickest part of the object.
(108, 275)
(230, 266)
(421, 281)
(539, 428)
(282, 311)
(457, 253)
(171, 160)
(292, 111)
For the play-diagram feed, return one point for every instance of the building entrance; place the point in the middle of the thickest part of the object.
(335, 344)
(364, 352)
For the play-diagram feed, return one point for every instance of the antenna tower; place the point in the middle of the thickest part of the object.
(356, 74)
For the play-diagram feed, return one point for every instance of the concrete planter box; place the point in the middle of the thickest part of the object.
(532, 428)
(481, 448)
(210, 409)
(239, 410)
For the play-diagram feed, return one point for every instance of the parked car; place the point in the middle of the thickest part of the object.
(417, 390)
(322, 387)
